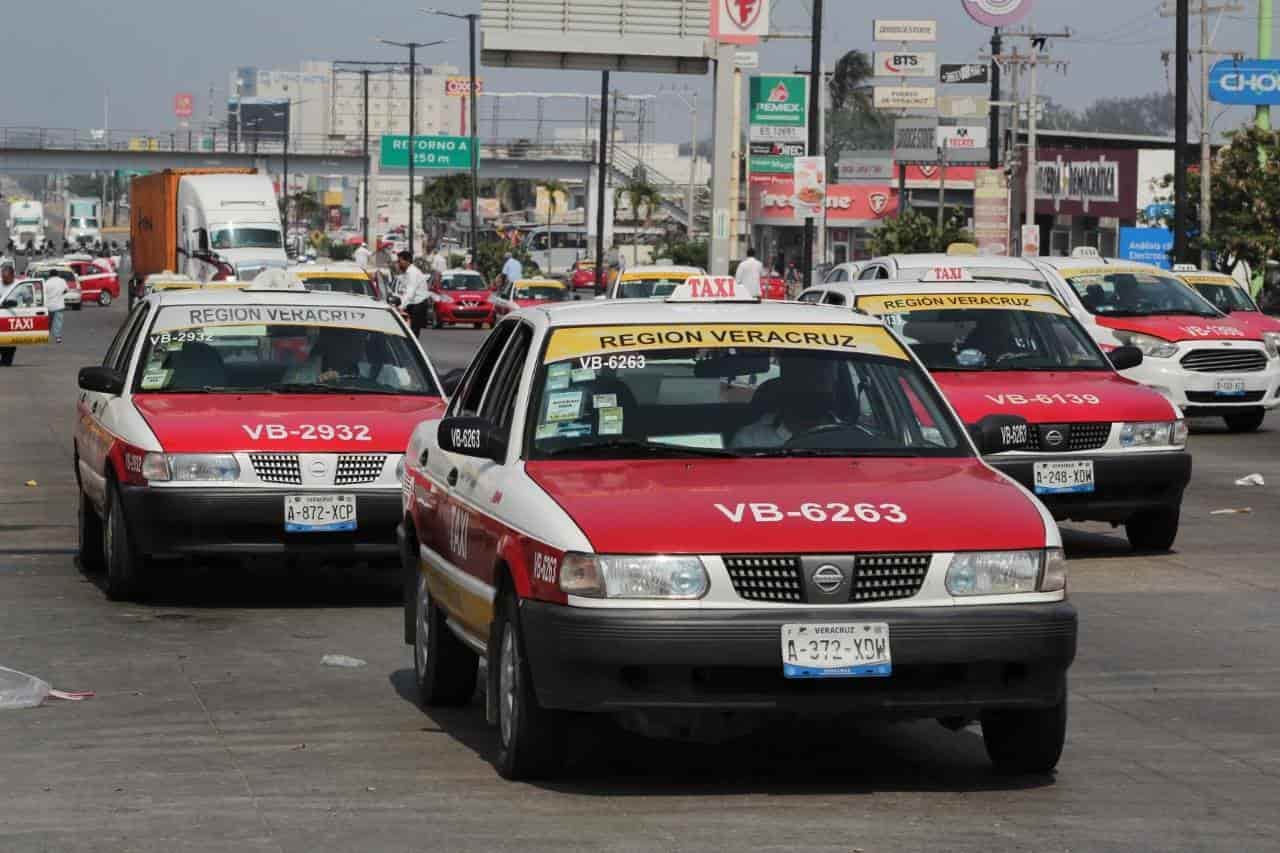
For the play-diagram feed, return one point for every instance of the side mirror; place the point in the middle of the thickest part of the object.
(1000, 433)
(11, 303)
(101, 380)
(471, 437)
(450, 381)
(1123, 358)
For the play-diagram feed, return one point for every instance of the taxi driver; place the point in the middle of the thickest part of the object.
(800, 400)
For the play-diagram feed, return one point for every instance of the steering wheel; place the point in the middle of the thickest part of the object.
(821, 429)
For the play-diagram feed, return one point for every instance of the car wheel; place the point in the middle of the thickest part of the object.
(1153, 529)
(6, 356)
(89, 549)
(1246, 421)
(477, 325)
(531, 738)
(76, 306)
(125, 568)
(444, 666)
(1026, 740)
(104, 299)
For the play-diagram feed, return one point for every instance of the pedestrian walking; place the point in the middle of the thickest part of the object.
(362, 256)
(415, 290)
(793, 281)
(55, 302)
(512, 269)
(748, 274)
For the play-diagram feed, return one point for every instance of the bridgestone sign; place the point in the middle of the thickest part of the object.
(915, 140)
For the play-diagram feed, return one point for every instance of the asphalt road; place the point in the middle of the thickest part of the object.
(216, 728)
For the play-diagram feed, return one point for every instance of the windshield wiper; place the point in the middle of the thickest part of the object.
(648, 447)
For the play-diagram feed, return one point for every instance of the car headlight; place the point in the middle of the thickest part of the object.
(203, 467)
(1150, 434)
(1006, 572)
(1151, 346)
(1272, 341)
(445, 298)
(1180, 431)
(622, 576)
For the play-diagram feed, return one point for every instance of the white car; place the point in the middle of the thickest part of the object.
(988, 268)
(1205, 362)
(843, 272)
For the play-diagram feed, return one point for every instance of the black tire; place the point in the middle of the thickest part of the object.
(477, 325)
(126, 569)
(1026, 741)
(1153, 529)
(89, 545)
(6, 356)
(1246, 421)
(445, 669)
(530, 738)
(76, 306)
(104, 298)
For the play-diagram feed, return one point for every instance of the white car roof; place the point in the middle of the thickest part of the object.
(1092, 263)
(249, 296)
(878, 288)
(923, 261)
(619, 312)
(663, 268)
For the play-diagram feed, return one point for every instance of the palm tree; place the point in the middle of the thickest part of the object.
(305, 207)
(554, 190)
(641, 196)
(439, 199)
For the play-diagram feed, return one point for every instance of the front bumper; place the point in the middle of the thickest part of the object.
(184, 522)
(1195, 393)
(1124, 483)
(456, 313)
(947, 661)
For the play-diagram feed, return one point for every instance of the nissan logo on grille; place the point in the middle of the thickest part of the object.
(1054, 438)
(318, 468)
(828, 578)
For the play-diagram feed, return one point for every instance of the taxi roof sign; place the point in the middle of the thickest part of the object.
(1185, 268)
(711, 288)
(946, 275)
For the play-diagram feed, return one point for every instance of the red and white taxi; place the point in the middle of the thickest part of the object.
(527, 293)
(460, 296)
(1205, 362)
(247, 422)
(1100, 448)
(658, 508)
(23, 318)
(98, 279)
(1231, 298)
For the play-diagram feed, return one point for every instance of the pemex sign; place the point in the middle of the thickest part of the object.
(779, 100)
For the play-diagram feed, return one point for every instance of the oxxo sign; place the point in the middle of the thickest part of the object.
(1249, 82)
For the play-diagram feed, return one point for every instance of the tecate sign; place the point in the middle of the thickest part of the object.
(905, 97)
(997, 13)
(1083, 181)
(962, 138)
(1249, 82)
(904, 30)
(971, 73)
(905, 64)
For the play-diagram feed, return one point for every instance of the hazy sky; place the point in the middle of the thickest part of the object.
(144, 51)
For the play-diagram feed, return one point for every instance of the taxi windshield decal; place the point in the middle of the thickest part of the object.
(604, 340)
(907, 303)
(194, 316)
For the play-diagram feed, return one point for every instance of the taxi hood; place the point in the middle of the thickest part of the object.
(1181, 327)
(1255, 322)
(289, 423)
(1066, 396)
(757, 506)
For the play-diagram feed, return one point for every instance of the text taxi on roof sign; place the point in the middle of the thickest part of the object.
(1101, 448)
(711, 504)
(252, 421)
(1203, 361)
(24, 320)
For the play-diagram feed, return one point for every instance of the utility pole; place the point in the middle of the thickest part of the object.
(1262, 115)
(602, 169)
(1182, 48)
(364, 205)
(815, 141)
(997, 45)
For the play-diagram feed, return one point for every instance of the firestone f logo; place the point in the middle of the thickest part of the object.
(743, 12)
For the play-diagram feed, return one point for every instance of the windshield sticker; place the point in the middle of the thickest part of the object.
(152, 380)
(905, 304)
(578, 342)
(610, 421)
(604, 401)
(565, 406)
(558, 377)
(583, 374)
(545, 431)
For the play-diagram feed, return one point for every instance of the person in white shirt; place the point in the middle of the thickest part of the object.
(415, 289)
(362, 256)
(55, 300)
(439, 263)
(748, 274)
(512, 269)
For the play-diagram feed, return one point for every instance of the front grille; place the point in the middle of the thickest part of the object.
(1225, 361)
(765, 578)
(358, 469)
(1211, 397)
(885, 577)
(277, 468)
(1089, 436)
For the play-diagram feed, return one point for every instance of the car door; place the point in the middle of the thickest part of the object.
(23, 317)
(503, 303)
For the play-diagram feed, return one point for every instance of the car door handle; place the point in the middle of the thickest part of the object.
(453, 477)
(422, 459)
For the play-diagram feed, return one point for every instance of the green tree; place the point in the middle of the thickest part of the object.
(304, 207)
(691, 253)
(852, 122)
(554, 190)
(644, 200)
(914, 232)
(439, 201)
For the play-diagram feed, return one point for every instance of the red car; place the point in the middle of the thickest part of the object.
(461, 296)
(98, 281)
(773, 287)
(583, 276)
(527, 293)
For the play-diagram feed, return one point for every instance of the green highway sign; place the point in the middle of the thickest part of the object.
(429, 152)
(779, 100)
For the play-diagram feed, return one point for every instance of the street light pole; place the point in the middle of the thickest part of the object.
(364, 207)
(815, 141)
(472, 20)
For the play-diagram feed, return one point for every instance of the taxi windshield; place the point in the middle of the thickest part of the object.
(1137, 293)
(976, 331)
(462, 281)
(279, 349)
(648, 288)
(545, 292)
(245, 238)
(733, 390)
(359, 285)
(1227, 298)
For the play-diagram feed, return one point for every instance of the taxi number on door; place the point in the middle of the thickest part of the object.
(818, 513)
(308, 432)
